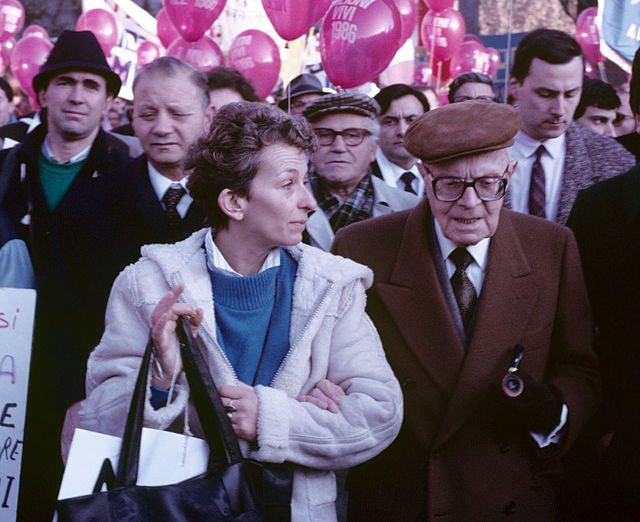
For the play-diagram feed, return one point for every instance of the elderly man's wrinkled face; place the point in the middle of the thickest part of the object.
(341, 162)
(469, 219)
(548, 97)
(393, 124)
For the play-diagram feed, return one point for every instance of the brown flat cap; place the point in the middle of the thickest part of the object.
(461, 129)
(346, 101)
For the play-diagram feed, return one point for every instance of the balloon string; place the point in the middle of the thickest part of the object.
(433, 47)
(507, 70)
(439, 73)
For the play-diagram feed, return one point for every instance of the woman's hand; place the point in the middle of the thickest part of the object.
(242, 403)
(325, 395)
(164, 319)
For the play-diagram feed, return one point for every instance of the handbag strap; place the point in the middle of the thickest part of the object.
(222, 441)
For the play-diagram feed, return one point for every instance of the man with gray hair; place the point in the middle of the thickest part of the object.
(101, 230)
(340, 176)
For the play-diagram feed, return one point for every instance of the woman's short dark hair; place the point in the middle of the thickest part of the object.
(549, 45)
(470, 77)
(228, 156)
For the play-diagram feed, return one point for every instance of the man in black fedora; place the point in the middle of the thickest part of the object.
(302, 90)
(75, 87)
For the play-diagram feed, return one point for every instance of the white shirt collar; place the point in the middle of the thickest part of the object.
(47, 152)
(479, 251)
(217, 262)
(526, 146)
(161, 183)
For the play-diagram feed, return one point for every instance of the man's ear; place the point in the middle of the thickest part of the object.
(208, 116)
(637, 118)
(510, 170)
(107, 105)
(232, 204)
(514, 86)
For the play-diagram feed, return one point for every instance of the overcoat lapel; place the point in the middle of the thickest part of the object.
(507, 300)
(416, 304)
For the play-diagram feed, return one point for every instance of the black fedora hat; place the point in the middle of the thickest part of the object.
(302, 84)
(77, 51)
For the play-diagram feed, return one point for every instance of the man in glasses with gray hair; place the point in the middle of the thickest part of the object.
(484, 317)
(340, 177)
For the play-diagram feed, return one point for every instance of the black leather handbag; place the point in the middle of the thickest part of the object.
(233, 488)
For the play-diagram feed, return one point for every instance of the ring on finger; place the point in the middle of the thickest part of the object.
(229, 414)
(230, 408)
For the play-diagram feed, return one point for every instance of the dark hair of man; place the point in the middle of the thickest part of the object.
(228, 156)
(8, 91)
(596, 93)
(470, 77)
(168, 66)
(229, 78)
(398, 90)
(634, 89)
(549, 45)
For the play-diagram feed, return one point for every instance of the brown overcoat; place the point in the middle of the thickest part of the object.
(460, 455)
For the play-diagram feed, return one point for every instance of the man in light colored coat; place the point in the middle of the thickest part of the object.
(340, 175)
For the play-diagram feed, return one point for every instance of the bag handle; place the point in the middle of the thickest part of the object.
(223, 443)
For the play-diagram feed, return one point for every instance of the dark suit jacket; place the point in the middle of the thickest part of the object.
(606, 223)
(99, 232)
(459, 455)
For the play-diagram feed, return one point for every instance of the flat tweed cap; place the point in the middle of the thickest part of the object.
(346, 101)
(461, 129)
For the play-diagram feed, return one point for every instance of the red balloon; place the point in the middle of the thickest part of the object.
(103, 25)
(357, 43)
(409, 15)
(438, 5)
(471, 57)
(293, 18)
(35, 30)
(590, 70)
(425, 76)
(28, 55)
(442, 33)
(192, 18)
(13, 13)
(587, 35)
(257, 57)
(167, 32)
(203, 54)
(494, 60)
(146, 52)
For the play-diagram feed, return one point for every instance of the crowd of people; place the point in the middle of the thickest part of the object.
(442, 300)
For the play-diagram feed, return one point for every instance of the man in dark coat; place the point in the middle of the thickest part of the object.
(75, 86)
(484, 318)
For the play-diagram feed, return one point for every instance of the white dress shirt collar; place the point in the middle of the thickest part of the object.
(217, 262)
(161, 183)
(391, 173)
(48, 153)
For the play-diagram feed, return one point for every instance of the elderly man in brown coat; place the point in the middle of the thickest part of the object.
(484, 317)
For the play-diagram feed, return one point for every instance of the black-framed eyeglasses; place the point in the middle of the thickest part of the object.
(351, 137)
(488, 188)
(459, 99)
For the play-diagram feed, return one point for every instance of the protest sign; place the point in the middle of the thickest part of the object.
(17, 308)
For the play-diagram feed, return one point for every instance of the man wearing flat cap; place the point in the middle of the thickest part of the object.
(75, 87)
(340, 176)
(484, 317)
(302, 90)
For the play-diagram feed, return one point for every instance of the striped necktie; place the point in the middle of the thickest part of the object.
(537, 199)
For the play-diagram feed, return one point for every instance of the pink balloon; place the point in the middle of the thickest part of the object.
(438, 5)
(192, 18)
(257, 57)
(409, 15)
(494, 60)
(357, 43)
(13, 13)
(6, 50)
(587, 35)
(471, 57)
(203, 54)
(293, 18)
(442, 33)
(167, 32)
(102, 24)
(35, 30)
(425, 76)
(472, 37)
(28, 55)
(590, 70)
(146, 52)
(401, 72)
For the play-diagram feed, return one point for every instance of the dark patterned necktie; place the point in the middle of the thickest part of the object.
(462, 286)
(407, 178)
(170, 199)
(537, 200)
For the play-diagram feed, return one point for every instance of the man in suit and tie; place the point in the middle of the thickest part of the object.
(556, 157)
(484, 318)
(400, 105)
(101, 230)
